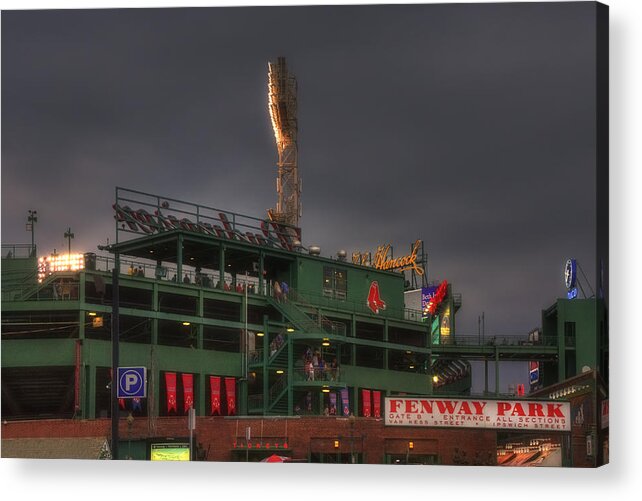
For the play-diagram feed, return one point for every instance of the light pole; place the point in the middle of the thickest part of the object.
(69, 235)
(352, 420)
(32, 219)
(115, 338)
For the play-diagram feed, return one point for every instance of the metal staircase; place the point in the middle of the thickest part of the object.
(292, 313)
(276, 400)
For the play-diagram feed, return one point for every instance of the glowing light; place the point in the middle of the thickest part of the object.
(435, 379)
(186, 323)
(58, 263)
(290, 329)
(260, 334)
(280, 371)
(92, 313)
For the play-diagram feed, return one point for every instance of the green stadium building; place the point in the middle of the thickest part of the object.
(279, 352)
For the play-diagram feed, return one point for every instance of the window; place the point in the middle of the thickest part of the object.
(335, 283)
(569, 333)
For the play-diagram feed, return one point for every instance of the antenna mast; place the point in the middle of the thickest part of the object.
(282, 104)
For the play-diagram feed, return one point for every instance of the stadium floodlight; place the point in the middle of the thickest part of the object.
(282, 105)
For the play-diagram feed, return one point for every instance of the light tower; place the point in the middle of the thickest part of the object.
(283, 109)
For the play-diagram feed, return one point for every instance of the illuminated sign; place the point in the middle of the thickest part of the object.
(382, 261)
(572, 294)
(374, 301)
(427, 293)
(436, 300)
(272, 233)
(434, 329)
(169, 452)
(570, 273)
(444, 327)
(534, 373)
(408, 262)
(473, 413)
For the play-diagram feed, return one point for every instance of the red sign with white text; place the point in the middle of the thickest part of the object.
(471, 413)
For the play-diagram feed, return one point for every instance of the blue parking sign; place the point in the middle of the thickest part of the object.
(132, 382)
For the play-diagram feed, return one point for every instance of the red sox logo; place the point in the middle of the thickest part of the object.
(375, 303)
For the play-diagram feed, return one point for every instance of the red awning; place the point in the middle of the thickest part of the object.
(275, 459)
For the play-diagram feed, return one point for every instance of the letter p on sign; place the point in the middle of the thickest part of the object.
(132, 382)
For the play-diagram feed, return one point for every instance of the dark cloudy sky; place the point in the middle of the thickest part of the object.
(468, 126)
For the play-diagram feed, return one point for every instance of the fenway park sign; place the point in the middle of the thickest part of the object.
(473, 413)
(269, 233)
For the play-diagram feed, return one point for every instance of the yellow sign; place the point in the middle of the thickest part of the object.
(361, 258)
(408, 262)
(169, 452)
(444, 328)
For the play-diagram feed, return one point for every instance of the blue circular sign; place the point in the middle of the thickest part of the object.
(570, 273)
(131, 382)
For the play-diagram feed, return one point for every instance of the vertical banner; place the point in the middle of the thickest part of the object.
(77, 376)
(188, 391)
(376, 403)
(215, 395)
(333, 403)
(170, 384)
(365, 403)
(230, 393)
(427, 293)
(345, 402)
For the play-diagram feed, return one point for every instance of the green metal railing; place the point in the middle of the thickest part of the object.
(18, 251)
(325, 374)
(319, 300)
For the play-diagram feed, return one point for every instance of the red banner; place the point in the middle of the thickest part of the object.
(188, 391)
(230, 392)
(121, 401)
(170, 383)
(376, 403)
(365, 402)
(215, 395)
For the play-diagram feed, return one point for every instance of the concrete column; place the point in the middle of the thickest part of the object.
(261, 268)
(179, 259)
(221, 267)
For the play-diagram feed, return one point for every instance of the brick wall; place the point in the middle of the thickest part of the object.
(217, 435)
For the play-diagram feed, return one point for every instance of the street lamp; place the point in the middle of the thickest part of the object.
(32, 219)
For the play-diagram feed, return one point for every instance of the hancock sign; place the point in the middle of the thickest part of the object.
(472, 413)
